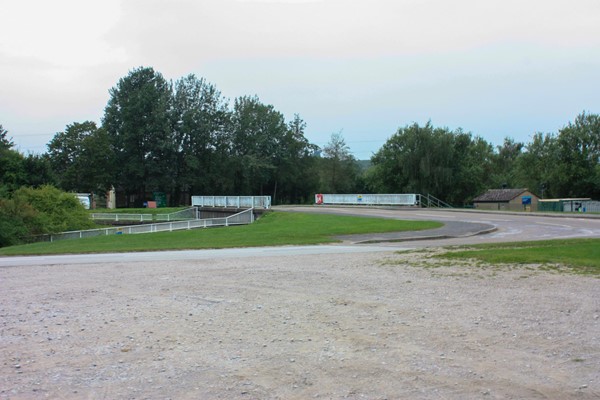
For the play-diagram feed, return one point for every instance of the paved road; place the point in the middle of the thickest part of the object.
(467, 227)
(460, 228)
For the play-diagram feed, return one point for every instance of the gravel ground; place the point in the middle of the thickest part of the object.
(354, 326)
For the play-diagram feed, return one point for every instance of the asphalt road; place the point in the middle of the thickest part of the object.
(460, 228)
(470, 227)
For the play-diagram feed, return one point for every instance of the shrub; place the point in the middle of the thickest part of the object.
(57, 211)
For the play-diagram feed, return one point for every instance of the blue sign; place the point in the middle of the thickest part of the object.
(526, 200)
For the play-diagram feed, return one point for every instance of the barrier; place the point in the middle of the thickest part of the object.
(368, 199)
(242, 218)
(232, 201)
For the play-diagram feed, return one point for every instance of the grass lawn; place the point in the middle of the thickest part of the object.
(581, 255)
(272, 229)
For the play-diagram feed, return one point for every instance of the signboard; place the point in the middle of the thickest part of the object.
(526, 200)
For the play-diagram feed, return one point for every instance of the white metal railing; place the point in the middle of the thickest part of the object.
(368, 199)
(188, 213)
(242, 218)
(121, 217)
(232, 201)
(414, 200)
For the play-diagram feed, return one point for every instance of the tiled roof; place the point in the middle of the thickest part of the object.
(496, 195)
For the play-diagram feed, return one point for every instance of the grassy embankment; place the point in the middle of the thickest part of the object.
(273, 229)
(579, 255)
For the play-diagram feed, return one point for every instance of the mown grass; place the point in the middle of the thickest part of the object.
(272, 229)
(580, 255)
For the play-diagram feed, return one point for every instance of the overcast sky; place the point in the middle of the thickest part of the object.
(362, 67)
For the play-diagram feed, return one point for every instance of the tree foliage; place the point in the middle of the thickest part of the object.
(81, 157)
(338, 168)
(18, 170)
(201, 123)
(451, 165)
(184, 138)
(6, 143)
(138, 122)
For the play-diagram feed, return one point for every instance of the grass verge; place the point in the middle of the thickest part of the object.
(580, 255)
(273, 229)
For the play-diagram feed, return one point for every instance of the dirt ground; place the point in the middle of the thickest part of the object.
(359, 326)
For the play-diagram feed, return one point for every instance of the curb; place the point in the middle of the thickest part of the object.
(434, 237)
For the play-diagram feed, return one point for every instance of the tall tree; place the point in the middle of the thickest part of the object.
(39, 171)
(12, 171)
(504, 163)
(339, 169)
(201, 127)
(578, 157)
(65, 152)
(6, 143)
(138, 121)
(451, 165)
(296, 177)
(258, 129)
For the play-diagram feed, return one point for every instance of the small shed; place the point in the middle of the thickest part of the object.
(507, 199)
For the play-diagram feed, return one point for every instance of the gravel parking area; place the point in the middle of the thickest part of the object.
(353, 326)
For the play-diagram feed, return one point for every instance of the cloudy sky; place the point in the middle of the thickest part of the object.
(362, 67)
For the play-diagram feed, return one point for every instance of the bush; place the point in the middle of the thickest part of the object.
(58, 211)
(39, 211)
(16, 220)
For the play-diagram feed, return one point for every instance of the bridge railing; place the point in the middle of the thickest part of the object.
(232, 201)
(412, 200)
(367, 199)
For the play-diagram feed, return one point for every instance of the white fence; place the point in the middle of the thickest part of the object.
(368, 199)
(241, 218)
(232, 201)
(121, 217)
(188, 213)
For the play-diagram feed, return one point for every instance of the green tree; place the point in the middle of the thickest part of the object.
(504, 164)
(17, 170)
(138, 120)
(339, 169)
(578, 156)
(450, 165)
(536, 166)
(201, 136)
(38, 171)
(258, 129)
(296, 177)
(81, 157)
(17, 220)
(12, 171)
(6, 143)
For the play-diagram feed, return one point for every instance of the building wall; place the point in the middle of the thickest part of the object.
(515, 204)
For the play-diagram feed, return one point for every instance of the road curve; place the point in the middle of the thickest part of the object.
(460, 228)
(468, 227)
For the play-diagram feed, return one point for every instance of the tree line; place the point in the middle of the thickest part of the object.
(184, 138)
(456, 167)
